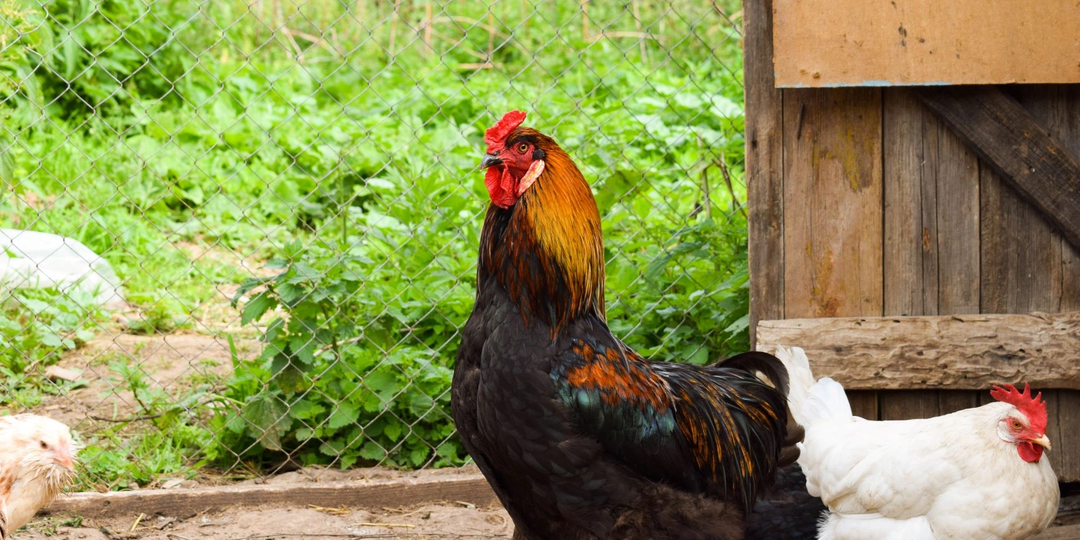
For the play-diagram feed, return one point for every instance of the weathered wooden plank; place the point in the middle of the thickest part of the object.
(968, 352)
(1067, 532)
(950, 401)
(911, 232)
(833, 207)
(910, 254)
(833, 203)
(764, 166)
(908, 404)
(1068, 424)
(471, 488)
(1021, 151)
(1021, 261)
(1057, 108)
(956, 172)
(931, 213)
(1043, 281)
(931, 231)
(827, 43)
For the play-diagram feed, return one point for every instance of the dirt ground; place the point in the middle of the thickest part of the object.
(433, 521)
(169, 361)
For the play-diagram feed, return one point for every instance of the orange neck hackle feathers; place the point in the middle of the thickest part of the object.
(549, 254)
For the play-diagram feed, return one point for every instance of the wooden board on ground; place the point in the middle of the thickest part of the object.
(469, 488)
(1067, 532)
(829, 43)
(959, 352)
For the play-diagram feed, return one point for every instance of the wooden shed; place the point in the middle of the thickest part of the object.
(914, 199)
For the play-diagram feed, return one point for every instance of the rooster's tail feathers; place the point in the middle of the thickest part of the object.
(765, 363)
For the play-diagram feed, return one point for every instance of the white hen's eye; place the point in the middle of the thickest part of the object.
(44, 445)
(1015, 424)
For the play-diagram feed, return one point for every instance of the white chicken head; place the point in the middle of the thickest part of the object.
(1024, 425)
(37, 448)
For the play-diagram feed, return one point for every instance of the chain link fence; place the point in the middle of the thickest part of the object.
(270, 211)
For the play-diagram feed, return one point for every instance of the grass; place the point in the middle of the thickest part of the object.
(192, 143)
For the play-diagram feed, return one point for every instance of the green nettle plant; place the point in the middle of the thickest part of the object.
(334, 383)
(36, 327)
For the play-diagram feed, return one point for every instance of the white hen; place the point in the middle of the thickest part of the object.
(36, 461)
(976, 474)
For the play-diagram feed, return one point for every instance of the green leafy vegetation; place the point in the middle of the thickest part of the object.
(119, 456)
(36, 327)
(325, 156)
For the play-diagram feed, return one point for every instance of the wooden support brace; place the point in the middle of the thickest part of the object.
(958, 352)
(1008, 139)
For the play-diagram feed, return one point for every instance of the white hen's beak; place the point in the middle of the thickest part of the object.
(1043, 441)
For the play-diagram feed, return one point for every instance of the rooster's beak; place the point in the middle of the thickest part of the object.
(490, 160)
(1043, 441)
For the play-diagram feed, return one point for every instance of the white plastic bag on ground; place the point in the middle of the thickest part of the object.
(30, 259)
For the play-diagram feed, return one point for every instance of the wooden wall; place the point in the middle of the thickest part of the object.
(863, 204)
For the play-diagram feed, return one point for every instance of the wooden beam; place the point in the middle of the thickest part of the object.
(1009, 140)
(764, 166)
(960, 352)
(470, 488)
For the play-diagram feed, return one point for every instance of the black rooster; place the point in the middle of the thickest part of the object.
(579, 436)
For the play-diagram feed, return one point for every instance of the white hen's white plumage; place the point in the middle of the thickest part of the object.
(944, 478)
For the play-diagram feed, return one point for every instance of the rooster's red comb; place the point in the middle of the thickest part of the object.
(1031, 406)
(497, 134)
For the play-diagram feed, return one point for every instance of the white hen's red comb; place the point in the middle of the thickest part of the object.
(1031, 406)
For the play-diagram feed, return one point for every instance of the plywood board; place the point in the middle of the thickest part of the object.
(829, 43)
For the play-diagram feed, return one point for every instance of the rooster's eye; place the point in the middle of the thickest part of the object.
(522, 148)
